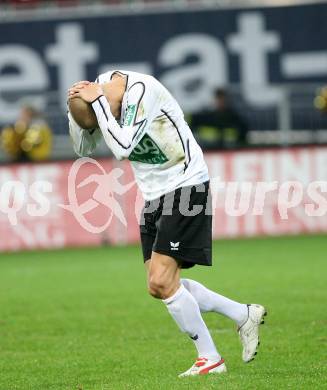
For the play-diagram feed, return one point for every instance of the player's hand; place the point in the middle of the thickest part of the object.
(88, 93)
(76, 87)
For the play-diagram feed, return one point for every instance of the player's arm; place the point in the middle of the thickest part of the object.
(120, 139)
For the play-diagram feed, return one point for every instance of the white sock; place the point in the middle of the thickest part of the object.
(210, 301)
(185, 311)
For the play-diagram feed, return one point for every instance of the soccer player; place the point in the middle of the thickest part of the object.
(140, 120)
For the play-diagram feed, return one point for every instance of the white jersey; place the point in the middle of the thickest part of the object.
(152, 134)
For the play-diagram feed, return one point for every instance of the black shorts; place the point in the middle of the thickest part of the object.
(179, 225)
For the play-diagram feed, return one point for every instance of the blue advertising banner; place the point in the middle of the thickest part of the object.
(190, 52)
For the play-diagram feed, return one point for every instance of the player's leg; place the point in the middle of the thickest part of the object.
(247, 317)
(210, 301)
(163, 276)
(164, 283)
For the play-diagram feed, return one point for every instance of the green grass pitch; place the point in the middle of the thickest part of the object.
(82, 319)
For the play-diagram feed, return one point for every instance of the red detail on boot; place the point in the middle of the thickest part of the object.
(207, 369)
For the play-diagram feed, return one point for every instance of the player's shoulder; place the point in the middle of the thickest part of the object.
(141, 78)
(133, 78)
(107, 76)
(145, 85)
(104, 77)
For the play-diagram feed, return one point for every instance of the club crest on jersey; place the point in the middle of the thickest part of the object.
(130, 114)
(147, 151)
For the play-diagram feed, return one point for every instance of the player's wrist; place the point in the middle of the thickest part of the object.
(97, 98)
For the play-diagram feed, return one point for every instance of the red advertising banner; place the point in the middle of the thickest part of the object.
(88, 202)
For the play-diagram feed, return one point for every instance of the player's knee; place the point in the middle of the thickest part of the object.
(159, 287)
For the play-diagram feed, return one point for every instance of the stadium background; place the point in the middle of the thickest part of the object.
(59, 305)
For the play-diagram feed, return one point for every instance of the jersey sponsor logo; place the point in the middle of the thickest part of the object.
(174, 246)
(147, 151)
(130, 114)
